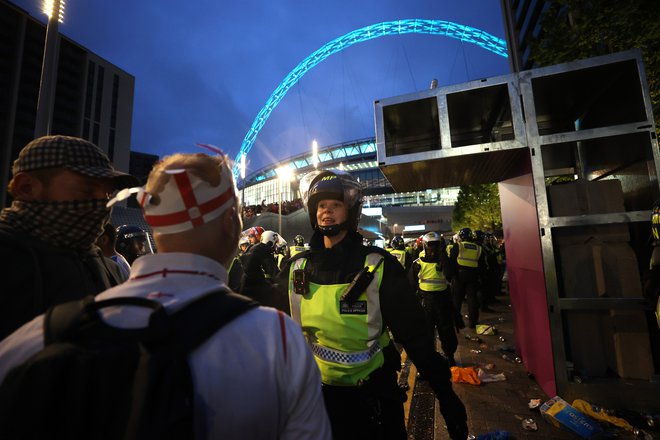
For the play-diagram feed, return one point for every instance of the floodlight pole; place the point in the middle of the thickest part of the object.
(42, 124)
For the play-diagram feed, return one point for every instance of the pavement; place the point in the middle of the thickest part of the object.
(492, 406)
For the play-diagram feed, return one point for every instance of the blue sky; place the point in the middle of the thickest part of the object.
(203, 69)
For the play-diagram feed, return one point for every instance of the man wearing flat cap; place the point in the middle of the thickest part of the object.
(255, 378)
(60, 187)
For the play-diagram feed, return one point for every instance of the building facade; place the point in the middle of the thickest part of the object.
(93, 98)
(522, 25)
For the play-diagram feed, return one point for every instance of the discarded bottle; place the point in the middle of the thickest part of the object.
(529, 425)
(653, 421)
(508, 357)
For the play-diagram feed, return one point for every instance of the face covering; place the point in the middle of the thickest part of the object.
(74, 224)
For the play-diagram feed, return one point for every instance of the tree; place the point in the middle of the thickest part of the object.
(577, 29)
(478, 208)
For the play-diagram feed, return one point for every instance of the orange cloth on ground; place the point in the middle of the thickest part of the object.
(465, 375)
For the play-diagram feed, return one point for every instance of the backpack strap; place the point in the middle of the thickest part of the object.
(200, 319)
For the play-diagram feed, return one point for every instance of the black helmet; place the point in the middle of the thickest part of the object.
(479, 236)
(299, 240)
(132, 242)
(465, 234)
(398, 243)
(333, 185)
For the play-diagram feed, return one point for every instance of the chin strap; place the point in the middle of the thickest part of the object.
(332, 230)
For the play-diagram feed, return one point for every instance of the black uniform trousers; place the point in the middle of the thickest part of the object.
(373, 410)
(466, 284)
(439, 309)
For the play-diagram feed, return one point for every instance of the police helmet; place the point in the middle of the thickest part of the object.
(299, 240)
(479, 236)
(281, 246)
(465, 234)
(243, 241)
(132, 242)
(270, 238)
(432, 243)
(398, 243)
(333, 185)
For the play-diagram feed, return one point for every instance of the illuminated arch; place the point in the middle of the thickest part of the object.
(410, 26)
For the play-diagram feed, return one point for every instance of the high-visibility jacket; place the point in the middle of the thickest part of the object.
(296, 250)
(468, 254)
(449, 246)
(400, 255)
(431, 279)
(345, 339)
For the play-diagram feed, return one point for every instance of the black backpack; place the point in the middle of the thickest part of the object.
(94, 381)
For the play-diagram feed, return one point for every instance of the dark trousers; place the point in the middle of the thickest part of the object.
(373, 411)
(466, 284)
(439, 309)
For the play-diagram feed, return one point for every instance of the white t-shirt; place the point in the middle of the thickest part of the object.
(254, 379)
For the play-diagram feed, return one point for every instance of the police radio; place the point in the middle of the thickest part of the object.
(300, 282)
(360, 283)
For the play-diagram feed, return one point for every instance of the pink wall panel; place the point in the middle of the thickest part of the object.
(524, 262)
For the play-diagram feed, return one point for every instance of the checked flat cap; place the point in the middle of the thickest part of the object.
(71, 153)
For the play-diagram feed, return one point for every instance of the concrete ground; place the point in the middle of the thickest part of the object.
(490, 406)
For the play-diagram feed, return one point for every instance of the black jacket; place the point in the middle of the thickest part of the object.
(37, 275)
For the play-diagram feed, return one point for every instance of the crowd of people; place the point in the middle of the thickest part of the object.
(288, 207)
(270, 339)
(304, 351)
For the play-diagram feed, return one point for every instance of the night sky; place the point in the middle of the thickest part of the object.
(203, 69)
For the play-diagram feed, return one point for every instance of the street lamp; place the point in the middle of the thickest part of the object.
(284, 173)
(55, 11)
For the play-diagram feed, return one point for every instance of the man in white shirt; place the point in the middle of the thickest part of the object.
(254, 378)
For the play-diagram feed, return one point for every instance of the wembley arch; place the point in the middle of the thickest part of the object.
(398, 27)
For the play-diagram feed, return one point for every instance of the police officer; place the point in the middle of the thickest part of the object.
(259, 268)
(466, 265)
(235, 271)
(346, 296)
(398, 249)
(132, 242)
(298, 245)
(281, 252)
(434, 293)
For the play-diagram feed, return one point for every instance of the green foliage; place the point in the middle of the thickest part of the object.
(478, 208)
(577, 29)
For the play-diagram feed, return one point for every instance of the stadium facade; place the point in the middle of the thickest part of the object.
(385, 212)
